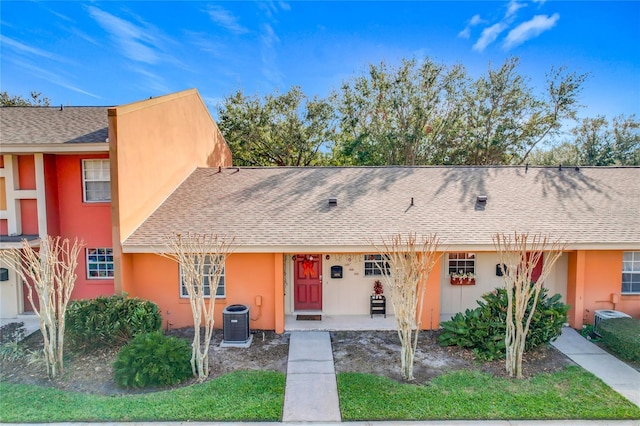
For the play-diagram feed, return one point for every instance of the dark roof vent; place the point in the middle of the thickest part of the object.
(333, 202)
(481, 202)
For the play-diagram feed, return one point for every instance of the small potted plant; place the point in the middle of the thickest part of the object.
(377, 290)
(462, 278)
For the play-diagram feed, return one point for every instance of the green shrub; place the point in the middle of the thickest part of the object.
(483, 329)
(622, 337)
(153, 359)
(109, 321)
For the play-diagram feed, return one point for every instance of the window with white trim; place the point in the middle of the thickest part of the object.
(462, 263)
(373, 263)
(96, 181)
(99, 263)
(631, 272)
(208, 275)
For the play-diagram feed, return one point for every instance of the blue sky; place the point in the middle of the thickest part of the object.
(110, 52)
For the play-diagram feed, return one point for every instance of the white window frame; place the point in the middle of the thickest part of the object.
(101, 174)
(222, 286)
(102, 259)
(372, 268)
(631, 269)
(461, 261)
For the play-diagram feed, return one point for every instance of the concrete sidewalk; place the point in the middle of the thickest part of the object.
(616, 374)
(311, 392)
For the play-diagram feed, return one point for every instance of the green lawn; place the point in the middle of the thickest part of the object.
(238, 396)
(570, 394)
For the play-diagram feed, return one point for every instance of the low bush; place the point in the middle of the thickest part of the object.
(109, 321)
(622, 337)
(483, 329)
(153, 359)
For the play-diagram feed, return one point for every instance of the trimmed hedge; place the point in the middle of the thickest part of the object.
(109, 321)
(622, 336)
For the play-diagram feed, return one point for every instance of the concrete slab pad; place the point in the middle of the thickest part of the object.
(247, 344)
(312, 398)
(310, 345)
(571, 342)
(310, 367)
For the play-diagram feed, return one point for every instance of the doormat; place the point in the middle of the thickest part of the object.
(309, 317)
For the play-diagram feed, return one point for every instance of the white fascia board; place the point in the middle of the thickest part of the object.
(371, 249)
(54, 148)
(4, 245)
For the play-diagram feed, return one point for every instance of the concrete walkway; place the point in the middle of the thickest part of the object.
(616, 374)
(311, 392)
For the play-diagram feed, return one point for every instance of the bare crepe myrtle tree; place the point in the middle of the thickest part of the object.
(50, 272)
(521, 253)
(202, 258)
(409, 261)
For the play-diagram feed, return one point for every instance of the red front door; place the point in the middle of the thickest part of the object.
(307, 283)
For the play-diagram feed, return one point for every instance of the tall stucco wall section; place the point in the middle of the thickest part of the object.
(155, 144)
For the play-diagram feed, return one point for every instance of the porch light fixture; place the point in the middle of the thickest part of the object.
(482, 199)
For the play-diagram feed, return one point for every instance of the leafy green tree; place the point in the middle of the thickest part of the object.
(506, 120)
(597, 142)
(34, 99)
(426, 113)
(405, 115)
(278, 130)
(626, 134)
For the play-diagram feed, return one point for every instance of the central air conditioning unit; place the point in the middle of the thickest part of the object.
(605, 314)
(235, 326)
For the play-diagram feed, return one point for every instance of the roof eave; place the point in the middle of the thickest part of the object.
(55, 148)
(310, 248)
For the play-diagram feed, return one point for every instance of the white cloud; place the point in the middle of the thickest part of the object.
(475, 20)
(54, 77)
(513, 7)
(466, 32)
(137, 43)
(225, 19)
(489, 35)
(530, 29)
(25, 49)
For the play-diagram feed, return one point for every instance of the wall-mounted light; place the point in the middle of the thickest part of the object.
(327, 257)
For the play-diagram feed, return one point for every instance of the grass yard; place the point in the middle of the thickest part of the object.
(238, 396)
(569, 394)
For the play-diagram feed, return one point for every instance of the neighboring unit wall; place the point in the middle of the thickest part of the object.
(596, 283)
(88, 221)
(155, 144)
(251, 279)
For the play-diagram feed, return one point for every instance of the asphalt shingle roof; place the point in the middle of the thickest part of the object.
(289, 207)
(53, 125)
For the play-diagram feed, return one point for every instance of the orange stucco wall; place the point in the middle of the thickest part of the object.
(89, 221)
(431, 306)
(595, 282)
(155, 144)
(247, 277)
